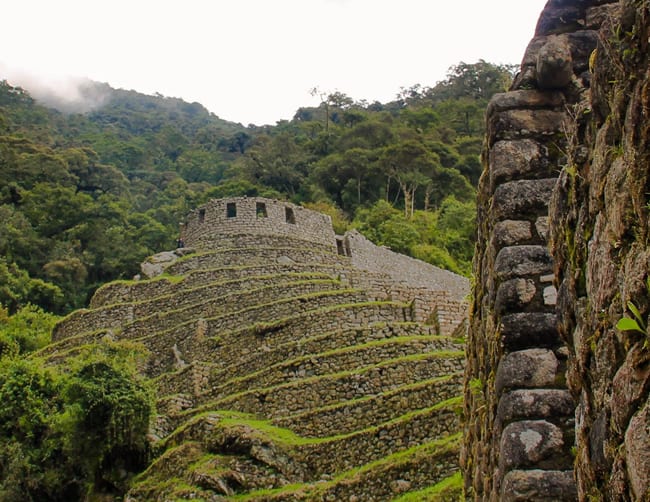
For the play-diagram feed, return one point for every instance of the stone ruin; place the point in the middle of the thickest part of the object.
(289, 363)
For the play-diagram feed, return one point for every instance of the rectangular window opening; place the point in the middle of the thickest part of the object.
(201, 215)
(231, 210)
(290, 217)
(260, 210)
(339, 247)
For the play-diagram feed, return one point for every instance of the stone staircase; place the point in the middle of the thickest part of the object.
(281, 376)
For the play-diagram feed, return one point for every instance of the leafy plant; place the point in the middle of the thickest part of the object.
(633, 324)
(67, 432)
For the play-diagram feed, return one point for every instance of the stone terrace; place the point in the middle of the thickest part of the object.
(285, 371)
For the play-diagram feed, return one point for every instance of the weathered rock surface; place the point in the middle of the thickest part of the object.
(559, 258)
(563, 248)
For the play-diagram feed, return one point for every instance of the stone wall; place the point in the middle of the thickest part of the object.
(519, 427)
(255, 216)
(601, 246)
(403, 269)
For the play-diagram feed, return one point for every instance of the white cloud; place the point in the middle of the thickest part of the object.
(255, 60)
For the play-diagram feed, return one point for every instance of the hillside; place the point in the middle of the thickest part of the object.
(284, 369)
(88, 194)
(85, 196)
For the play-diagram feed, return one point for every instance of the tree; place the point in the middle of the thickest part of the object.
(29, 329)
(277, 162)
(18, 289)
(351, 169)
(66, 434)
(107, 417)
(406, 163)
(480, 80)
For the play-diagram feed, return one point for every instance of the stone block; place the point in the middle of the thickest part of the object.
(532, 49)
(631, 384)
(534, 404)
(541, 225)
(530, 443)
(522, 123)
(581, 44)
(524, 330)
(519, 199)
(637, 446)
(525, 98)
(525, 369)
(525, 79)
(598, 438)
(537, 485)
(512, 233)
(560, 18)
(514, 295)
(521, 261)
(550, 295)
(156, 264)
(516, 159)
(554, 64)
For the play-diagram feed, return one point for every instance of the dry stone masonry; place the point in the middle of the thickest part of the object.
(556, 397)
(289, 363)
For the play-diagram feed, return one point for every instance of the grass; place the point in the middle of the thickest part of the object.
(303, 297)
(319, 310)
(388, 394)
(311, 490)
(449, 488)
(260, 291)
(266, 431)
(333, 352)
(342, 374)
(257, 249)
(401, 458)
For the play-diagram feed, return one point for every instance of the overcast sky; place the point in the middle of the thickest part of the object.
(254, 61)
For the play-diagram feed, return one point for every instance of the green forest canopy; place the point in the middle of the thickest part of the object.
(84, 198)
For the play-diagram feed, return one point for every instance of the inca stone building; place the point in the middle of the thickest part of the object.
(289, 363)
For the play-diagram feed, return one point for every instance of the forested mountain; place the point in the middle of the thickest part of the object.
(84, 197)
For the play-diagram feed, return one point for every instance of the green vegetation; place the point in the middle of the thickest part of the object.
(413, 455)
(449, 489)
(84, 198)
(67, 432)
(636, 323)
(26, 331)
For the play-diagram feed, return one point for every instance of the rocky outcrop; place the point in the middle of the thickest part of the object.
(556, 395)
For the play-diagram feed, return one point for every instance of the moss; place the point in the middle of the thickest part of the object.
(256, 249)
(325, 310)
(320, 310)
(303, 297)
(66, 341)
(387, 394)
(264, 429)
